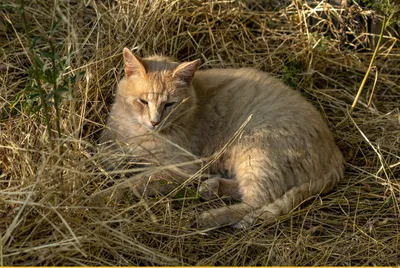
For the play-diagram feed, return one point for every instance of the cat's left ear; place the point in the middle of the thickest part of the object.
(185, 71)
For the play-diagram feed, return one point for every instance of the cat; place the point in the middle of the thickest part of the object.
(175, 113)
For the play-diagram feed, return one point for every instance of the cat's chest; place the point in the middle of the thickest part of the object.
(209, 132)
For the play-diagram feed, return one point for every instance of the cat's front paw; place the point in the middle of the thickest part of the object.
(219, 217)
(246, 222)
(145, 187)
(208, 190)
(207, 220)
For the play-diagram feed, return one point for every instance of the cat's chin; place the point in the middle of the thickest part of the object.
(151, 128)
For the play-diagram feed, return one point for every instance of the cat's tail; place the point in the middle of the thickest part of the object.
(291, 199)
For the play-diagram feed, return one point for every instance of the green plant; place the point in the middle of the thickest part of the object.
(291, 72)
(48, 83)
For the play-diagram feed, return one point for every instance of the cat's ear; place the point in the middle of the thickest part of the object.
(133, 64)
(185, 71)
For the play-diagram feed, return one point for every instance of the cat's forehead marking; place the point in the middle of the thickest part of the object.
(156, 96)
(157, 85)
(157, 88)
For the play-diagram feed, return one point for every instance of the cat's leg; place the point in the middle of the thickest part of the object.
(283, 205)
(163, 181)
(219, 187)
(288, 201)
(225, 216)
(252, 169)
(136, 188)
(153, 185)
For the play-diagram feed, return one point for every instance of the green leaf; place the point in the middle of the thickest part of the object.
(55, 26)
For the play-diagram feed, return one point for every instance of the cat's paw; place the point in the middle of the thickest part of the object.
(208, 190)
(144, 187)
(245, 223)
(207, 220)
(259, 216)
(219, 217)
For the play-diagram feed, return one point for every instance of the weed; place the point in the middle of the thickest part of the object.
(48, 83)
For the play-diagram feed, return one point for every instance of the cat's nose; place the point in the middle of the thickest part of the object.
(154, 123)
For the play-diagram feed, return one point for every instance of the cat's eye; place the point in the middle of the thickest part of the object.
(142, 101)
(169, 104)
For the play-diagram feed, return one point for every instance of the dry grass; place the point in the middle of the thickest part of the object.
(51, 212)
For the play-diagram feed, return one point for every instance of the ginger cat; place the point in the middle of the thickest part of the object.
(173, 113)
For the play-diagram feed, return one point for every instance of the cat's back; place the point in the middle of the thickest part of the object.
(237, 93)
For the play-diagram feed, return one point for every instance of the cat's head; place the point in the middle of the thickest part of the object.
(157, 92)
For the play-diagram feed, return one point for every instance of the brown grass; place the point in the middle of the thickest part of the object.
(54, 207)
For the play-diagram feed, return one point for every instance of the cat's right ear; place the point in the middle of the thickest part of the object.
(185, 71)
(133, 64)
